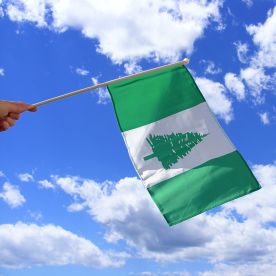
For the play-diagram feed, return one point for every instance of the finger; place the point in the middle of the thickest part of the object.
(12, 107)
(4, 110)
(4, 125)
(34, 109)
(19, 107)
(14, 116)
(10, 121)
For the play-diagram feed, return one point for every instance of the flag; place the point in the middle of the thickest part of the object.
(181, 153)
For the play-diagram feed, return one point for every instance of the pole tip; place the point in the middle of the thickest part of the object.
(186, 60)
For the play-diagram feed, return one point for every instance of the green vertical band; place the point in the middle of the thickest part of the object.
(204, 187)
(145, 99)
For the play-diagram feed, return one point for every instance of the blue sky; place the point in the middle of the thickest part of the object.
(70, 199)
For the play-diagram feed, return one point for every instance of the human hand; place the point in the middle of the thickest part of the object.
(10, 112)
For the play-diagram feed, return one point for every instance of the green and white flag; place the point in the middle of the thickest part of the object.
(184, 158)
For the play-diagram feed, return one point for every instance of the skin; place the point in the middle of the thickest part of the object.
(10, 112)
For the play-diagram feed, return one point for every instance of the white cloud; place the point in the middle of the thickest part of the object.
(235, 85)
(82, 72)
(249, 3)
(25, 177)
(242, 51)
(28, 10)
(251, 269)
(211, 68)
(103, 95)
(102, 92)
(215, 95)
(264, 118)
(46, 184)
(127, 29)
(264, 36)
(134, 30)
(132, 68)
(2, 174)
(12, 196)
(147, 273)
(175, 273)
(2, 71)
(128, 213)
(1, 9)
(165, 273)
(255, 76)
(257, 81)
(28, 245)
(259, 207)
(75, 207)
(37, 216)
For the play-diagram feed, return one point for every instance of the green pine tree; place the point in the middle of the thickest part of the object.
(169, 148)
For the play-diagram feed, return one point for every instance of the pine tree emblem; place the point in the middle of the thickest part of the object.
(169, 148)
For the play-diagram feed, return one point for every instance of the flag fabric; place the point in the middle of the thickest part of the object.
(181, 153)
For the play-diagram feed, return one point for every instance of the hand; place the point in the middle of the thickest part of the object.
(10, 112)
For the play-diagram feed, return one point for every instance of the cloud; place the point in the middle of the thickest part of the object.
(259, 207)
(75, 207)
(257, 81)
(82, 72)
(2, 174)
(27, 245)
(132, 68)
(102, 92)
(103, 95)
(28, 10)
(264, 118)
(129, 213)
(249, 3)
(235, 85)
(128, 29)
(37, 216)
(211, 68)
(2, 71)
(46, 184)
(242, 51)
(251, 269)
(25, 177)
(165, 273)
(12, 196)
(215, 94)
(1, 9)
(264, 37)
(238, 233)
(176, 273)
(255, 76)
(147, 273)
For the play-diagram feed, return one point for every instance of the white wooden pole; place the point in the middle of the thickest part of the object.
(185, 61)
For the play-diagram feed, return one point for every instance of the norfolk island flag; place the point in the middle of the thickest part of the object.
(181, 153)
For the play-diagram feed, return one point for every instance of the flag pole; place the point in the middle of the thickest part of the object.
(183, 62)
